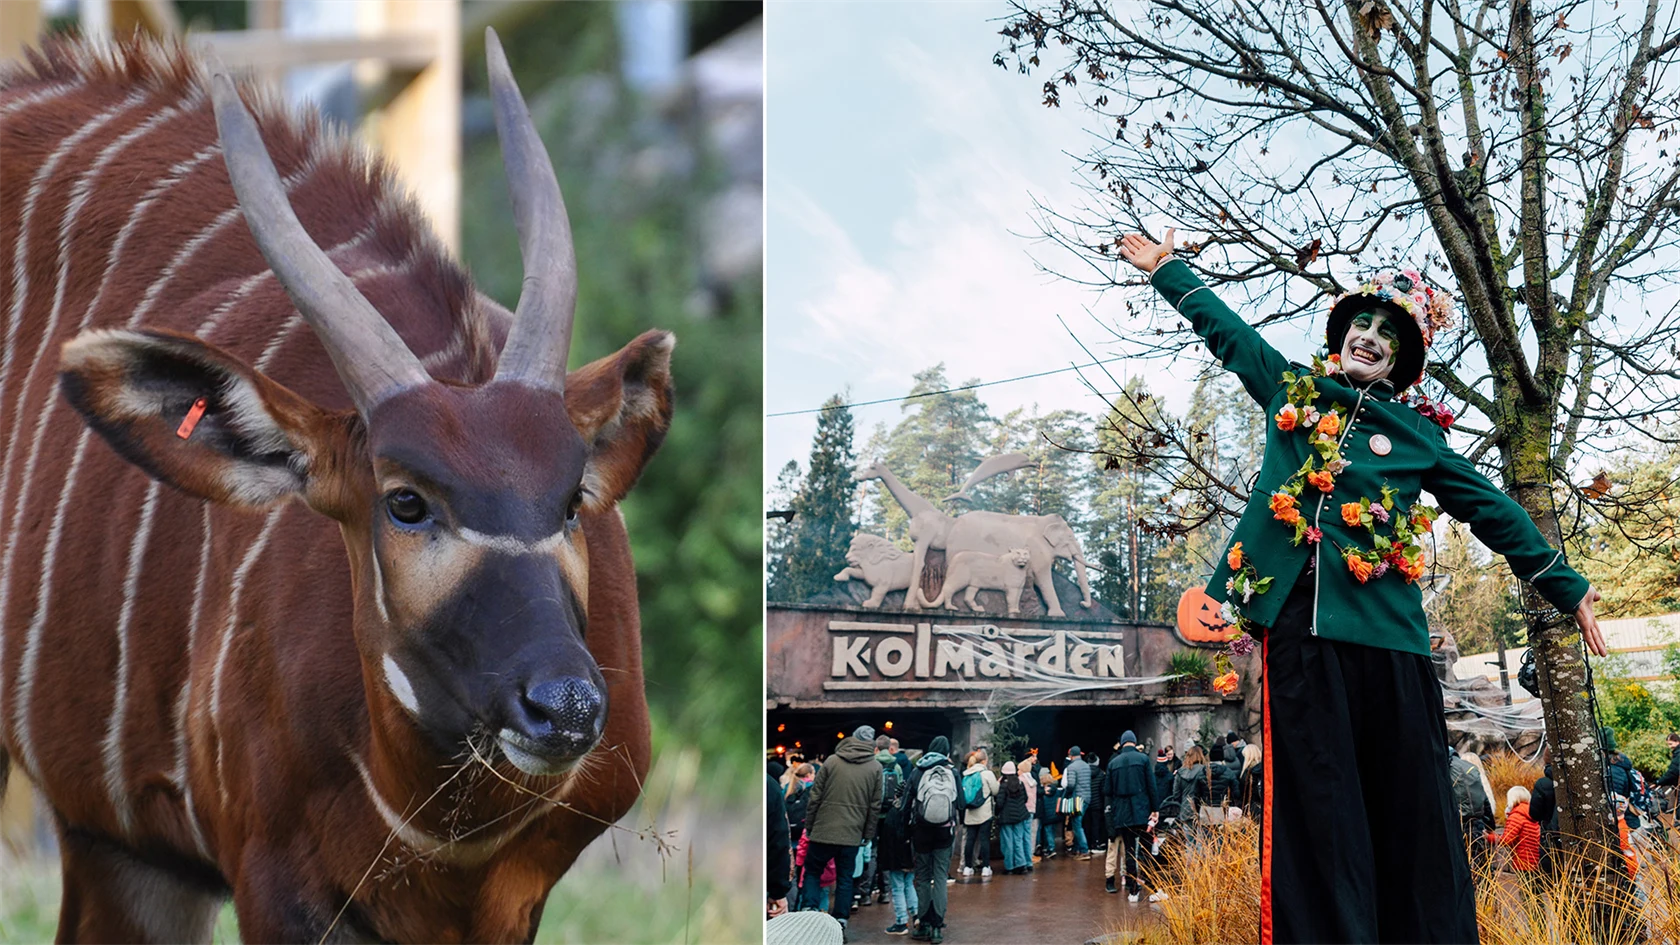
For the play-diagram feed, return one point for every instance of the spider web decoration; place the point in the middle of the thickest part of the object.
(1030, 684)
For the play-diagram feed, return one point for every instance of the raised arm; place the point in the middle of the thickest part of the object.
(1505, 527)
(1233, 341)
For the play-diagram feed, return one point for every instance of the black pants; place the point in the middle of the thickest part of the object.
(1360, 838)
(977, 845)
(817, 856)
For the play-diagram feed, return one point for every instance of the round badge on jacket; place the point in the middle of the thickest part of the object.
(1380, 445)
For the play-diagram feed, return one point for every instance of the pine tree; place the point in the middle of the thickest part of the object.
(822, 524)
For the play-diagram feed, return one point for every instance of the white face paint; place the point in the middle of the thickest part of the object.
(1369, 347)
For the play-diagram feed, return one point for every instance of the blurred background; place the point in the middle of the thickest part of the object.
(652, 113)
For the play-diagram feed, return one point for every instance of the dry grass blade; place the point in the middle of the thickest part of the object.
(1214, 884)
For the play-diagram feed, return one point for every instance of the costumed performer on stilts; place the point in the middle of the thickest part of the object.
(1361, 838)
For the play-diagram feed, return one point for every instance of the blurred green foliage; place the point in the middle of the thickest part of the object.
(694, 516)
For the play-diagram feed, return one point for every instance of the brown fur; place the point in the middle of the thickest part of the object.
(285, 822)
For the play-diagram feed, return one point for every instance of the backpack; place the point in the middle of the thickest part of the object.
(891, 789)
(936, 795)
(974, 790)
(796, 804)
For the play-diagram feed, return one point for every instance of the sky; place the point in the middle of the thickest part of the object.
(901, 167)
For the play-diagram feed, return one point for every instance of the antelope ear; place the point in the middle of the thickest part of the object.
(254, 442)
(622, 406)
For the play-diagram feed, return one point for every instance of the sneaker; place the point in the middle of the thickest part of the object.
(1108, 884)
(1159, 896)
(897, 928)
(968, 871)
(922, 933)
(985, 871)
(949, 881)
(1131, 897)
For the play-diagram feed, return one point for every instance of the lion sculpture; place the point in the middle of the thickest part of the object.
(878, 563)
(976, 571)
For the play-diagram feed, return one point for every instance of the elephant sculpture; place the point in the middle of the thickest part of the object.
(1045, 538)
(880, 564)
(974, 572)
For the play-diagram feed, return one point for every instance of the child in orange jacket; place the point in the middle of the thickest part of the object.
(1522, 833)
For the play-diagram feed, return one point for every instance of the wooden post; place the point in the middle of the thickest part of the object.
(20, 22)
(419, 130)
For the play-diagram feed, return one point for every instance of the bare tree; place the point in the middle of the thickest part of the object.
(1519, 154)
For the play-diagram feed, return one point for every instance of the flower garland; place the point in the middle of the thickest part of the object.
(1431, 410)
(1323, 432)
(1401, 551)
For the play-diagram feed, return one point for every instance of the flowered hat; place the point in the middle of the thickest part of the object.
(1425, 308)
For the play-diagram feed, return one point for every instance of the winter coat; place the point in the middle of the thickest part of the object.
(1385, 611)
(1620, 771)
(1222, 786)
(1190, 790)
(1672, 775)
(1130, 790)
(1096, 821)
(1049, 801)
(795, 804)
(1012, 800)
(1077, 779)
(924, 836)
(1522, 835)
(1475, 813)
(1163, 774)
(777, 852)
(1542, 806)
(1030, 782)
(892, 844)
(989, 785)
(1251, 790)
(846, 796)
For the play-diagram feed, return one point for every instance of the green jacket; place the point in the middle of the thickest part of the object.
(1387, 611)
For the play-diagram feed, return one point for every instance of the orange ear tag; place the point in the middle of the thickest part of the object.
(197, 411)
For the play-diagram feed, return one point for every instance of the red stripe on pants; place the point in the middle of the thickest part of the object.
(1266, 797)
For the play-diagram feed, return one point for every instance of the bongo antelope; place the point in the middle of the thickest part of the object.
(396, 708)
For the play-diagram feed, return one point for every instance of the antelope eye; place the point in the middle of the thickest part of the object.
(573, 508)
(406, 508)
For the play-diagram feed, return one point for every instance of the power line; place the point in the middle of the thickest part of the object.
(948, 390)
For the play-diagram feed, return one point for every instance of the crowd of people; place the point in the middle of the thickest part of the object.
(873, 824)
(1529, 837)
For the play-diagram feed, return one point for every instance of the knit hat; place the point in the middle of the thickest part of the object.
(1423, 311)
(865, 732)
(940, 745)
(1009, 767)
(1161, 755)
(1128, 737)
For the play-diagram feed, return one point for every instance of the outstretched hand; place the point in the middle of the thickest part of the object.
(1589, 624)
(1141, 252)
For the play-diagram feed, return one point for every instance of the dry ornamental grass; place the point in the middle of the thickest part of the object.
(1214, 886)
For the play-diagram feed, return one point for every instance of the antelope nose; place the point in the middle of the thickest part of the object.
(566, 715)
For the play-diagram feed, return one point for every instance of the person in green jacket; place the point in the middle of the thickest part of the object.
(1323, 568)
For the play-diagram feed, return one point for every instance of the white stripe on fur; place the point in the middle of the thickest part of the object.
(181, 776)
(234, 592)
(32, 637)
(112, 750)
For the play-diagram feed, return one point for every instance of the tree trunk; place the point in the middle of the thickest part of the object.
(1584, 819)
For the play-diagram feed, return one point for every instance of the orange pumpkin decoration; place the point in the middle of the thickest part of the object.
(1199, 620)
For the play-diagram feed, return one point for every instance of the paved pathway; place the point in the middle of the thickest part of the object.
(1060, 901)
